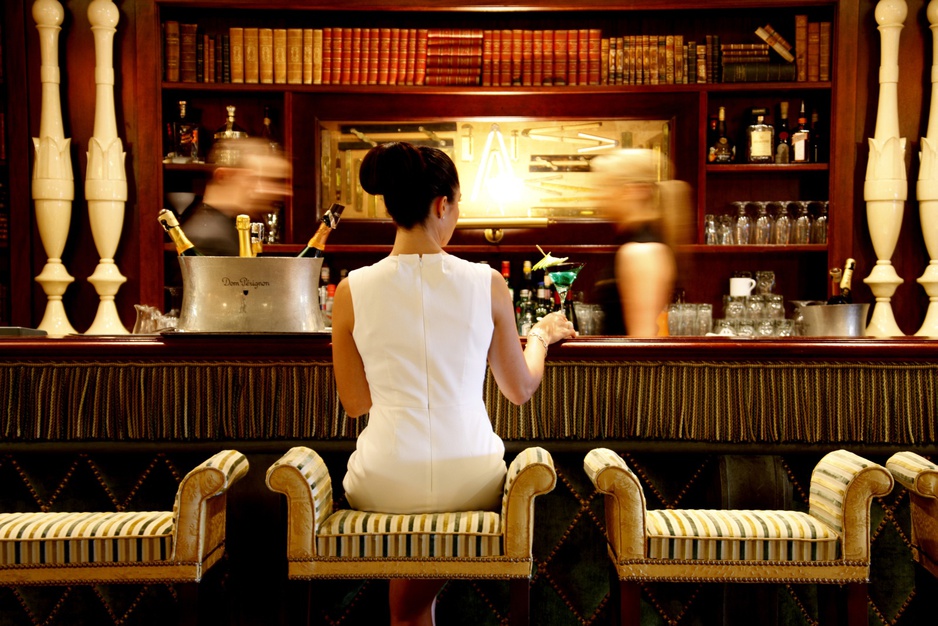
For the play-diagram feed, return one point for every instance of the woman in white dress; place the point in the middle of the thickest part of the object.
(412, 336)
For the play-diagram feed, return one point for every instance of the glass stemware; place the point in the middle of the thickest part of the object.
(562, 275)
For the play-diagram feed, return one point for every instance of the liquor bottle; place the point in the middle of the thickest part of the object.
(185, 137)
(819, 152)
(724, 151)
(712, 137)
(317, 243)
(243, 224)
(170, 224)
(760, 138)
(782, 135)
(801, 139)
(526, 316)
(506, 274)
(543, 303)
(846, 278)
(226, 150)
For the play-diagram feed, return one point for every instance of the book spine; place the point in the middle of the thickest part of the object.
(758, 72)
(393, 52)
(209, 44)
(503, 75)
(573, 57)
(280, 56)
(236, 38)
(702, 77)
(814, 52)
(309, 56)
(265, 52)
(527, 57)
(412, 37)
(326, 56)
(251, 55)
(547, 44)
(348, 55)
(220, 60)
(824, 52)
(776, 37)
(537, 57)
(361, 39)
(199, 58)
(451, 80)
(517, 56)
(374, 56)
(171, 51)
(487, 57)
(801, 47)
(295, 56)
(560, 57)
(583, 56)
(420, 56)
(691, 62)
(338, 35)
(226, 58)
(679, 50)
(403, 47)
(187, 53)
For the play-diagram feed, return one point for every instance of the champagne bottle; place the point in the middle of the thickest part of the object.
(243, 224)
(846, 278)
(782, 135)
(170, 224)
(317, 243)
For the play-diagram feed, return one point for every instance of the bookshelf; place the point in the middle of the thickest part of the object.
(301, 108)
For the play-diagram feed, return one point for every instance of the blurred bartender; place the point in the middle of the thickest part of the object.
(257, 180)
(652, 215)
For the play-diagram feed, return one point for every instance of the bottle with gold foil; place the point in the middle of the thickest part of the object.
(243, 224)
(317, 243)
(226, 150)
(170, 224)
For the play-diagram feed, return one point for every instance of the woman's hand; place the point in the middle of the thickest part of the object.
(555, 327)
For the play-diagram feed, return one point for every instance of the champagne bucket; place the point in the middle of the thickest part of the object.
(250, 295)
(835, 320)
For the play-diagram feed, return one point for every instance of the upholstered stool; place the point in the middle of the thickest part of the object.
(322, 543)
(828, 544)
(920, 477)
(177, 546)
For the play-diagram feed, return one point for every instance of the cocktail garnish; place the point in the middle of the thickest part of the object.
(547, 260)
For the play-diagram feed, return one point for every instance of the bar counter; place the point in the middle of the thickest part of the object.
(104, 423)
(742, 395)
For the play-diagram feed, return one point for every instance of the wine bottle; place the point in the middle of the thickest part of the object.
(782, 135)
(170, 224)
(243, 224)
(723, 150)
(846, 278)
(801, 139)
(317, 243)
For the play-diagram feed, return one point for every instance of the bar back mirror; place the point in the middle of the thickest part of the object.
(507, 168)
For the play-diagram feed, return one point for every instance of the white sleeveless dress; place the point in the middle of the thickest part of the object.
(423, 326)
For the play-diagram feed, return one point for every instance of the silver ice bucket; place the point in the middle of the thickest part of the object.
(835, 320)
(260, 294)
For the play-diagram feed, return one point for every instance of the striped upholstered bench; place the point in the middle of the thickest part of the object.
(125, 547)
(920, 477)
(322, 543)
(828, 544)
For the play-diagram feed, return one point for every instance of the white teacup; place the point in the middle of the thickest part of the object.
(740, 286)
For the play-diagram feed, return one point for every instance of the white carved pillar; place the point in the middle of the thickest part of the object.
(53, 184)
(927, 189)
(886, 187)
(106, 180)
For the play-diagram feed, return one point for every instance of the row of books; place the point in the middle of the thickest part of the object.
(400, 56)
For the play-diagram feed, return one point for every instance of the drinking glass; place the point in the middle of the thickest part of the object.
(676, 319)
(762, 233)
(755, 307)
(725, 235)
(782, 233)
(784, 328)
(765, 282)
(765, 328)
(734, 307)
(819, 228)
(710, 229)
(724, 328)
(775, 306)
(801, 233)
(704, 319)
(743, 225)
(746, 328)
(563, 275)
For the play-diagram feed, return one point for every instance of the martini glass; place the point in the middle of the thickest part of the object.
(563, 275)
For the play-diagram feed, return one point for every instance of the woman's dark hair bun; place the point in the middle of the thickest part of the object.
(388, 167)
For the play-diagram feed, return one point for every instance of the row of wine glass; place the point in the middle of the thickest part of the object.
(768, 222)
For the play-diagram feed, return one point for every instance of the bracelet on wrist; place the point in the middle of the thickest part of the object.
(539, 336)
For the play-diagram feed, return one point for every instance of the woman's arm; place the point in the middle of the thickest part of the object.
(350, 380)
(518, 373)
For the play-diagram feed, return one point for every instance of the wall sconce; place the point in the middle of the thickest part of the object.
(494, 227)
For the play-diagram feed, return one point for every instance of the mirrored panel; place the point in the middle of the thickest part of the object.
(507, 168)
